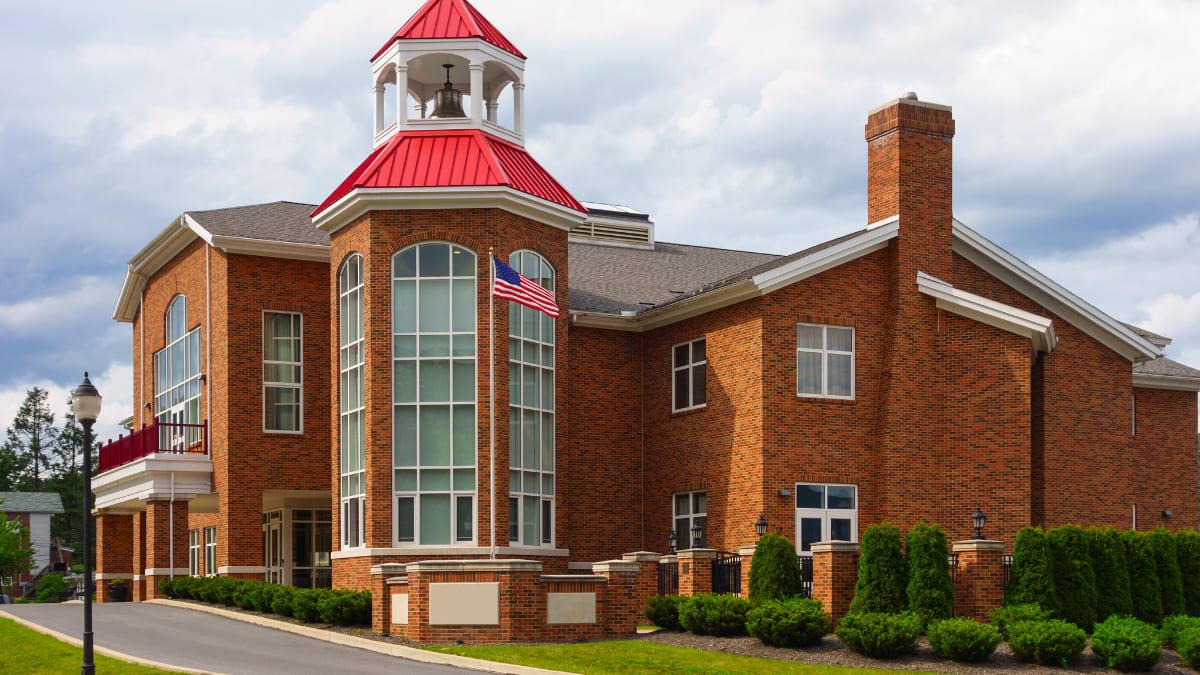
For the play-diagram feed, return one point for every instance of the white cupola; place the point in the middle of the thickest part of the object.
(449, 68)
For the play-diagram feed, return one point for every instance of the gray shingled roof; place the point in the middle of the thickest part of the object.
(612, 279)
(30, 502)
(277, 221)
(1165, 367)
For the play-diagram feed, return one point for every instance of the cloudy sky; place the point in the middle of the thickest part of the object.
(735, 124)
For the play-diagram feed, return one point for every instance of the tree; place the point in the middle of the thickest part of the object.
(1109, 562)
(1166, 563)
(1143, 578)
(1074, 578)
(67, 480)
(930, 587)
(1032, 572)
(16, 554)
(1187, 548)
(775, 571)
(32, 439)
(882, 575)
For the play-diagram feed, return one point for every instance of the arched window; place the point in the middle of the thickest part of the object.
(350, 389)
(531, 412)
(177, 381)
(434, 443)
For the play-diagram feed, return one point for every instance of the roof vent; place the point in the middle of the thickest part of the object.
(910, 95)
(615, 225)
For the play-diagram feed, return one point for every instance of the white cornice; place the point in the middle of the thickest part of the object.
(168, 244)
(272, 249)
(1145, 381)
(361, 200)
(1044, 291)
(1037, 329)
(827, 258)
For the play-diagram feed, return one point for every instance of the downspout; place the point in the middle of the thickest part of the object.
(208, 338)
(171, 528)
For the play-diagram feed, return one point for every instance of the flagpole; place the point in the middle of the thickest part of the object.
(492, 400)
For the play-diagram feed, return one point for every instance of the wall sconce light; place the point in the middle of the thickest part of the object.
(1167, 513)
(697, 535)
(977, 521)
(760, 526)
(785, 492)
(671, 539)
(203, 377)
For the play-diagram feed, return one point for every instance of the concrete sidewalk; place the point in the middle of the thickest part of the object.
(201, 639)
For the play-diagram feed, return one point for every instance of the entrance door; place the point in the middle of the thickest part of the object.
(825, 513)
(273, 546)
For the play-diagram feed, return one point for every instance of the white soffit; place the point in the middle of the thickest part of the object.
(1044, 291)
(1038, 329)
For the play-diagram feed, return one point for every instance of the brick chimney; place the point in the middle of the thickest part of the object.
(909, 172)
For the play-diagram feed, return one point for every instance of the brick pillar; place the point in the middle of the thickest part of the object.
(695, 570)
(476, 601)
(381, 596)
(114, 551)
(835, 571)
(138, 592)
(647, 576)
(979, 580)
(623, 606)
(747, 555)
(159, 540)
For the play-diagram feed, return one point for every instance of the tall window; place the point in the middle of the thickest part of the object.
(350, 388)
(825, 513)
(824, 361)
(433, 390)
(210, 551)
(177, 380)
(689, 364)
(691, 508)
(531, 411)
(194, 552)
(282, 377)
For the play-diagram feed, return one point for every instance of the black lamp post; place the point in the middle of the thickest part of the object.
(977, 521)
(85, 402)
(671, 539)
(697, 535)
(760, 526)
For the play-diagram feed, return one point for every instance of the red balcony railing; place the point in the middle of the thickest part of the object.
(182, 439)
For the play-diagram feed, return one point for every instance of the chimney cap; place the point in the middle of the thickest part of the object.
(910, 95)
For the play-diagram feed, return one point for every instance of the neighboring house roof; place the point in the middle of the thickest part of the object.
(30, 502)
(450, 20)
(452, 159)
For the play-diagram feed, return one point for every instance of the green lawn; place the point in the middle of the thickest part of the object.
(632, 656)
(32, 653)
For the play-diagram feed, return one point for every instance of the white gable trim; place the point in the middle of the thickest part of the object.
(827, 258)
(1038, 330)
(1146, 381)
(1044, 291)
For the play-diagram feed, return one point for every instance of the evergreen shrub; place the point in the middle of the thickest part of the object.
(1074, 579)
(1166, 563)
(1004, 617)
(880, 635)
(52, 588)
(281, 603)
(774, 570)
(1143, 578)
(1048, 643)
(1173, 626)
(304, 604)
(719, 615)
(1032, 577)
(663, 611)
(1187, 550)
(1111, 566)
(963, 639)
(1188, 646)
(1126, 643)
(790, 622)
(930, 587)
(344, 608)
(882, 573)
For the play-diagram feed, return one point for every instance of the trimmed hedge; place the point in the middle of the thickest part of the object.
(774, 570)
(1004, 617)
(1032, 579)
(1173, 626)
(1188, 646)
(1143, 578)
(930, 587)
(1166, 563)
(791, 622)
(1111, 566)
(663, 611)
(880, 635)
(718, 615)
(1187, 551)
(963, 639)
(1074, 578)
(882, 573)
(1126, 643)
(324, 605)
(1049, 643)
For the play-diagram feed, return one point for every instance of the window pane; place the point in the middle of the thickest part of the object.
(404, 263)
(435, 480)
(682, 400)
(464, 345)
(533, 482)
(514, 523)
(435, 260)
(547, 522)
(841, 496)
(529, 326)
(404, 307)
(404, 381)
(464, 435)
(809, 337)
(703, 523)
(530, 514)
(698, 385)
(699, 502)
(435, 435)
(547, 327)
(404, 451)
(548, 356)
(810, 496)
(840, 339)
(698, 348)
(464, 305)
(514, 437)
(683, 505)
(531, 353)
(435, 381)
(683, 534)
(529, 441)
(464, 381)
(464, 480)
(464, 518)
(435, 345)
(808, 372)
(435, 519)
(839, 529)
(529, 395)
(681, 356)
(435, 306)
(405, 523)
(404, 346)
(514, 384)
(810, 533)
(547, 441)
(514, 481)
(841, 374)
(547, 390)
(406, 480)
(463, 261)
(548, 484)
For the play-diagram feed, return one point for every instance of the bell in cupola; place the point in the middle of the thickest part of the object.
(448, 100)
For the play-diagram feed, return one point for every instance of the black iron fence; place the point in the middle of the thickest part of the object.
(727, 573)
(806, 573)
(1008, 563)
(668, 578)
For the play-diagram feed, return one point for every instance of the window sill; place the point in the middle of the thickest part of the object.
(281, 432)
(689, 411)
(828, 399)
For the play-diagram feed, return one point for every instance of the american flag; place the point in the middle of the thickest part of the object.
(512, 285)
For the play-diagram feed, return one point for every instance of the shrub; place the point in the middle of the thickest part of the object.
(168, 587)
(51, 588)
(774, 570)
(930, 587)
(881, 572)
(243, 596)
(1188, 646)
(1173, 626)
(879, 635)
(304, 604)
(1143, 579)
(1049, 643)
(1166, 563)
(345, 608)
(1074, 579)
(281, 601)
(791, 622)
(1004, 617)
(719, 615)
(1187, 551)
(963, 639)
(1109, 562)
(1032, 579)
(663, 611)
(1126, 643)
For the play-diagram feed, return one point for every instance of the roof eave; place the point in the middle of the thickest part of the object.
(1168, 382)
(173, 239)
(1038, 330)
(271, 248)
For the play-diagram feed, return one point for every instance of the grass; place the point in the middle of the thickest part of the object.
(629, 656)
(29, 652)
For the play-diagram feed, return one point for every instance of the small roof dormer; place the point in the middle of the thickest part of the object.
(446, 51)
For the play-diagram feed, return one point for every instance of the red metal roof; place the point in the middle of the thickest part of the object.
(454, 158)
(450, 19)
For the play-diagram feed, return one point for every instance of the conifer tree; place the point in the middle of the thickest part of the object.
(1074, 578)
(1166, 563)
(1109, 562)
(1143, 578)
(1032, 578)
(775, 571)
(930, 587)
(882, 574)
(1187, 550)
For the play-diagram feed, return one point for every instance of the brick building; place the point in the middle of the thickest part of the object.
(323, 389)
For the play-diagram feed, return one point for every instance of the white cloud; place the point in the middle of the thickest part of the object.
(41, 315)
(115, 385)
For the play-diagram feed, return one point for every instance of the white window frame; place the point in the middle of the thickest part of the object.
(298, 386)
(210, 551)
(685, 535)
(194, 553)
(825, 514)
(177, 396)
(825, 353)
(351, 404)
(690, 367)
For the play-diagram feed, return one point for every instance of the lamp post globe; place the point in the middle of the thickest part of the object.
(85, 403)
(977, 520)
(760, 526)
(671, 539)
(697, 535)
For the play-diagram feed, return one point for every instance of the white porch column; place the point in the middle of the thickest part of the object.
(477, 93)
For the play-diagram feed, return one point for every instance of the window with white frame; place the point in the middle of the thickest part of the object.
(352, 454)
(210, 551)
(825, 512)
(690, 509)
(282, 375)
(689, 366)
(177, 381)
(531, 411)
(433, 389)
(824, 361)
(194, 553)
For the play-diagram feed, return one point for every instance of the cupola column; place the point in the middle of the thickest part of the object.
(492, 107)
(519, 108)
(377, 93)
(401, 92)
(476, 93)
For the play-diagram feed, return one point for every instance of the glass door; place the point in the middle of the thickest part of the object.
(825, 513)
(273, 547)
